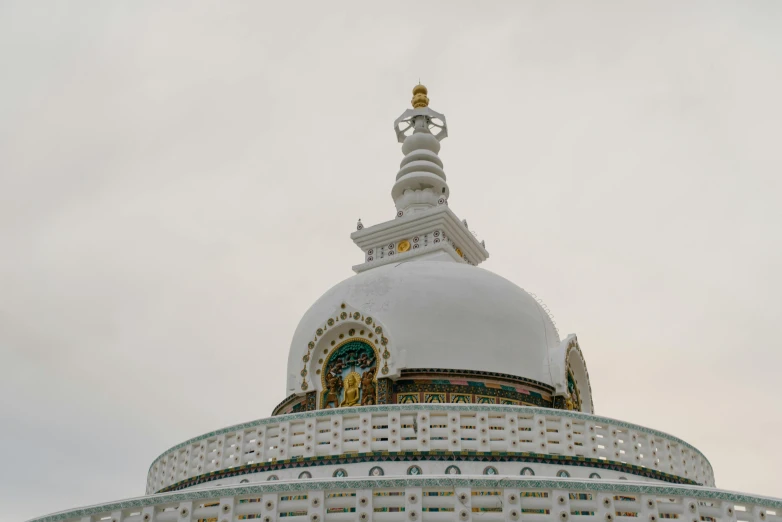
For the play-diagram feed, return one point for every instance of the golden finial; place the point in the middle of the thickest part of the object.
(419, 97)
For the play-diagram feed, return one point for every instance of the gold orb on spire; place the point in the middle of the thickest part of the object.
(419, 97)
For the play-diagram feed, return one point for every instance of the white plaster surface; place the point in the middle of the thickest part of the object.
(442, 314)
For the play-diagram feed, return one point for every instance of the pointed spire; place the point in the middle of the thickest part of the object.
(429, 229)
(420, 182)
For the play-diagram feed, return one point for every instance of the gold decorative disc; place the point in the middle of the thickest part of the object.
(403, 246)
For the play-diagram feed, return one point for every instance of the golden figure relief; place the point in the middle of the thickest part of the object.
(349, 375)
(403, 246)
(368, 387)
(352, 390)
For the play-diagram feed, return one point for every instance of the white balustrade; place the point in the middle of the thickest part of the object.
(438, 498)
(426, 427)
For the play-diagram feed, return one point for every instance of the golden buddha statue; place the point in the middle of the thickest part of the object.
(352, 390)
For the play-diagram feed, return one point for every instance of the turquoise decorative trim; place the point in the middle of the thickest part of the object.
(436, 407)
(459, 481)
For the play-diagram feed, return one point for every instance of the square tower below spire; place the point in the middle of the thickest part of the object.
(420, 234)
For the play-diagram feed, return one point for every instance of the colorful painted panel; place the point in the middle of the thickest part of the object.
(461, 398)
(482, 399)
(464, 392)
(343, 385)
(384, 388)
(407, 398)
(434, 398)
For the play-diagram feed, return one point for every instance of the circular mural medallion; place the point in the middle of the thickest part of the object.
(527, 472)
(273, 477)
(305, 475)
(594, 476)
(490, 470)
(563, 474)
(415, 470)
(376, 471)
(453, 470)
(340, 473)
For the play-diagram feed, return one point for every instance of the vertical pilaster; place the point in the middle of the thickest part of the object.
(540, 434)
(561, 505)
(692, 510)
(227, 509)
(185, 512)
(310, 437)
(566, 431)
(649, 510)
(511, 432)
(511, 506)
(590, 440)
(335, 448)
(463, 504)
(316, 510)
(365, 433)
(424, 431)
(454, 431)
(260, 445)
(269, 501)
(364, 509)
(220, 452)
(239, 449)
(394, 431)
(482, 426)
(284, 441)
(147, 514)
(413, 503)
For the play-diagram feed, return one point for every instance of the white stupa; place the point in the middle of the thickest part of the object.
(426, 388)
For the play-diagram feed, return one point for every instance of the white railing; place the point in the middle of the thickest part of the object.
(438, 498)
(429, 427)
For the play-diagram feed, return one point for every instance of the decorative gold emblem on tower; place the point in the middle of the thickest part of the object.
(403, 246)
(420, 99)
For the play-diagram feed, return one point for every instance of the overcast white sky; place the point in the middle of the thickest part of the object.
(178, 182)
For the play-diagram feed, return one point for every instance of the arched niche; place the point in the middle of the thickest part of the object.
(349, 375)
(571, 378)
(334, 345)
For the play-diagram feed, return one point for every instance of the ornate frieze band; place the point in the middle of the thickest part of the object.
(445, 456)
(515, 429)
(693, 498)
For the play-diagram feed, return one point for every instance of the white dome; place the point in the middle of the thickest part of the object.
(442, 314)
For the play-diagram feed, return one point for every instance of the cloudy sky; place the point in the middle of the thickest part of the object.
(178, 182)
